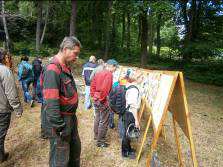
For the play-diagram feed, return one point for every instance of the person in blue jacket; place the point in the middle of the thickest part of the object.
(25, 76)
(87, 70)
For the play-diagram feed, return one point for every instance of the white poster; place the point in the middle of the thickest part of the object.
(161, 99)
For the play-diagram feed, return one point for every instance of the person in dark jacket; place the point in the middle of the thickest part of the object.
(37, 68)
(9, 101)
(87, 70)
(60, 101)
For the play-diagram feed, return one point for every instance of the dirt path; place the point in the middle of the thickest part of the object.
(206, 109)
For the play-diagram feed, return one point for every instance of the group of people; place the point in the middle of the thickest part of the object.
(30, 74)
(55, 89)
(110, 95)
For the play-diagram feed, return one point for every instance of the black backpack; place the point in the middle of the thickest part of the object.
(37, 66)
(117, 101)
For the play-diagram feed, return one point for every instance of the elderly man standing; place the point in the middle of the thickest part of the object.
(100, 88)
(9, 101)
(60, 104)
(87, 70)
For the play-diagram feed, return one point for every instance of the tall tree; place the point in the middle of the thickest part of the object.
(128, 39)
(107, 30)
(144, 38)
(73, 17)
(158, 41)
(45, 24)
(5, 26)
(123, 28)
(38, 24)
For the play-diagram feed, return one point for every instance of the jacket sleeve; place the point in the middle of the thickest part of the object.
(51, 89)
(20, 68)
(11, 92)
(106, 87)
(93, 87)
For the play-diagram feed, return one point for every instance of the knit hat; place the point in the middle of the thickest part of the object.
(112, 62)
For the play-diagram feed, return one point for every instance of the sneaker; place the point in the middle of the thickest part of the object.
(32, 103)
(102, 145)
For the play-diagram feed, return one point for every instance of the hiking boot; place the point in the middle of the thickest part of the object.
(132, 154)
(102, 145)
(112, 126)
(129, 154)
(4, 157)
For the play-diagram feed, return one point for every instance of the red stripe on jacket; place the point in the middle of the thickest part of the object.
(51, 93)
(54, 68)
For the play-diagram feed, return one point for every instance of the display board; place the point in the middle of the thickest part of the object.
(166, 92)
(158, 102)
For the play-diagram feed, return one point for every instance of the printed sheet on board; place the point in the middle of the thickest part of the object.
(162, 94)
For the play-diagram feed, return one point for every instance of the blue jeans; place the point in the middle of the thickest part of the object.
(87, 102)
(25, 87)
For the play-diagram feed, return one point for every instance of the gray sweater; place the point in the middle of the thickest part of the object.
(9, 99)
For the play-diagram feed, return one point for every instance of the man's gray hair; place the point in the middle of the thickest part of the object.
(70, 43)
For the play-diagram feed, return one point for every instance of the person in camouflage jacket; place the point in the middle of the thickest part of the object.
(60, 101)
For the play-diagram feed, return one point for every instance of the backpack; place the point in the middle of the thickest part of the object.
(117, 101)
(25, 72)
(37, 66)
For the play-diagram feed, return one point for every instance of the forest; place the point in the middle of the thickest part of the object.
(185, 35)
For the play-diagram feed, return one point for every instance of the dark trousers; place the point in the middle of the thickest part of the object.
(4, 125)
(111, 119)
(37, 92)
(101, 122)
(127, 119)
(65, 151)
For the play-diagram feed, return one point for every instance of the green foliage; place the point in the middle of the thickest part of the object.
(210, 73)
(29, 49)
(93, 27)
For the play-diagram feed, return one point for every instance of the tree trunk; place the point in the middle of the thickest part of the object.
(45, 25)
(192, 21)
(123, 28)
(185, 41)
(38, 25)
(151, 36)
(107, 30)
(73, 17)
(5, 26)
(158, 42)
(113, 36)
(128, 32)
(140, 28)
(144, 39)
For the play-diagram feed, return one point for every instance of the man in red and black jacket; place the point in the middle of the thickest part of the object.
(100, 88)
(60, 104)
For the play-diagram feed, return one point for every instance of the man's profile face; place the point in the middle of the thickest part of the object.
(71, 55)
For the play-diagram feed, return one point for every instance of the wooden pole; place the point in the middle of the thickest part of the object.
(144, 138)
(192, 148)
(177, 142)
